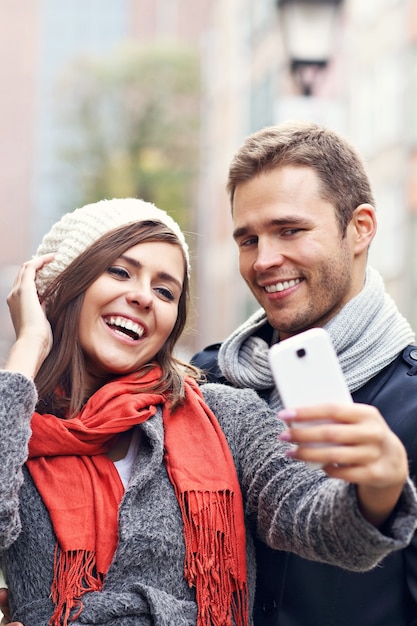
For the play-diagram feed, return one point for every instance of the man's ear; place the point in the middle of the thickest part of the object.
(363, 227)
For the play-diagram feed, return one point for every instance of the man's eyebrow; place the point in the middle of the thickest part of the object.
(286, 220)
(239, 232)
(162, 275)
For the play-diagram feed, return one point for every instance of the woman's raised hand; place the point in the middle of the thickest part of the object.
(33, 331)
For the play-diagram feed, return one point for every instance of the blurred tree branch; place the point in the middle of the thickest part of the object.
(131, 126)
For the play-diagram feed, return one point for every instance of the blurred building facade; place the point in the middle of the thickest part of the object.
(38, 38)
(368, 92)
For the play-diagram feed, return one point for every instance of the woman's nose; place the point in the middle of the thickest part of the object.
(141, 297)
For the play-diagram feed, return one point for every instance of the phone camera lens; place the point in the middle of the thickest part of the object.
(301, 352)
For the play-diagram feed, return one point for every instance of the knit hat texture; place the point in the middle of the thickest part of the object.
(78, 230)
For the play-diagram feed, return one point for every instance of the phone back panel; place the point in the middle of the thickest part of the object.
(307, 371)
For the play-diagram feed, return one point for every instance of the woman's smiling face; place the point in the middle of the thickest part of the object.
(129, 312)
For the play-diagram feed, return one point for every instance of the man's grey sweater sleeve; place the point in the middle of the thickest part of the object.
(17, 403)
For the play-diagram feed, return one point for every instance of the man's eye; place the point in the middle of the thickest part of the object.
(119, 272)
(250, 241)
(291, 231)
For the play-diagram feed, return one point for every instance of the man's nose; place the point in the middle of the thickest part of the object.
(269, 254)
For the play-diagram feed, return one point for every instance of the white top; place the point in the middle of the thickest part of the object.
(124, 466)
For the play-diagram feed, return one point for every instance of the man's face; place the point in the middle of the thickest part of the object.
(291, 251)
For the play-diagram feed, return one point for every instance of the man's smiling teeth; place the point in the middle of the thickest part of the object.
(282, 286)
(127, 325)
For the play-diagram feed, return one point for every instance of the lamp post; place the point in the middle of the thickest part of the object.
(308, 28)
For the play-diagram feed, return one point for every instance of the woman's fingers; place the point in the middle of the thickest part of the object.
(33, 331)
(351, 441)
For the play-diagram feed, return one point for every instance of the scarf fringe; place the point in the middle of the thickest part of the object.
(212, 564)
(74, 575)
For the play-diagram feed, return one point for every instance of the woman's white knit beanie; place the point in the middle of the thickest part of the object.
(78, 230)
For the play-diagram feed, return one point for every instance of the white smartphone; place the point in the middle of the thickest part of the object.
(307, 371)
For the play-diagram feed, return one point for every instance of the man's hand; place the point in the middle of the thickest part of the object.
(359, 447)
(4, 608)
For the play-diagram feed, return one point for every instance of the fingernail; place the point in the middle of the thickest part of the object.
(285, 436)
(291, 452)
(287, 414)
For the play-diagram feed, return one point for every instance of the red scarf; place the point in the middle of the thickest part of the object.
(82, 491)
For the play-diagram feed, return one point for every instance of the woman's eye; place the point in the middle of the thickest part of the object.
(165, 293)
(119, 272)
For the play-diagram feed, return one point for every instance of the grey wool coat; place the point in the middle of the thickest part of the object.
(145, 584)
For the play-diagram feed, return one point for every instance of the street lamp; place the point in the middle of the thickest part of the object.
(308, 28)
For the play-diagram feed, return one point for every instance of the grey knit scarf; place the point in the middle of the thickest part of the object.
(368, 334)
